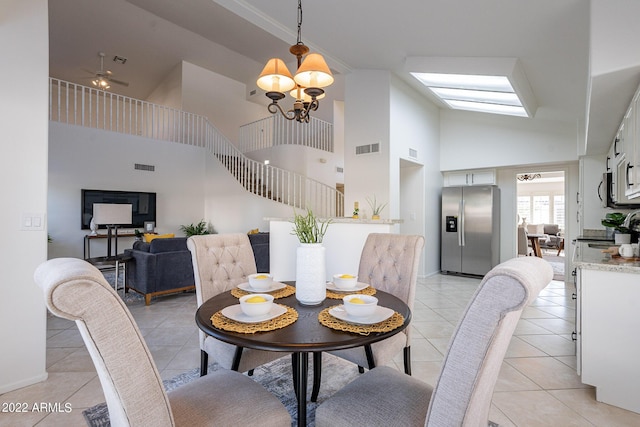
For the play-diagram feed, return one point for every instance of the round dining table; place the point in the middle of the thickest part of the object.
(306, 335)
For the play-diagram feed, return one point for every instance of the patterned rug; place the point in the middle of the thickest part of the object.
(130, 297)
(275, 376)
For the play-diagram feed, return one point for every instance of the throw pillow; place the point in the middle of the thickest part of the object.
(254, 231)
(535, 228)
(148, 237)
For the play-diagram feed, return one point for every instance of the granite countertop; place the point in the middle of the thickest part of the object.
(592, 257)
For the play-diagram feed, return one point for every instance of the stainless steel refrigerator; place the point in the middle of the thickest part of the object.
(470, 241)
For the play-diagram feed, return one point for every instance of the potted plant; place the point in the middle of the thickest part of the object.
(311, 284)
(615, 220)
(138, 235)
(375, 207)
(196, 229)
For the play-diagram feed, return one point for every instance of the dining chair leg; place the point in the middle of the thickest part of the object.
(360, 369)
(236, 359)
(369, 353)
(294, 364)
(250, 373)
(204, 362)
(407, 360)
(317, 375)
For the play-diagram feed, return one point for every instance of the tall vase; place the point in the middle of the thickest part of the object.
(311, 276)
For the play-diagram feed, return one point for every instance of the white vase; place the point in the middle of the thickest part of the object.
(311, 276)
(93, 227)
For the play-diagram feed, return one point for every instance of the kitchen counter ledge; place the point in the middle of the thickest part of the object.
(594, 259)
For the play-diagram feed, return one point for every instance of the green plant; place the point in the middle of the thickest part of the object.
(137, 233)
(616, 220)
(375, 207)
(308, 228)
(196, 229)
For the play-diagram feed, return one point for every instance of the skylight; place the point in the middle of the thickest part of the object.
(484, 93)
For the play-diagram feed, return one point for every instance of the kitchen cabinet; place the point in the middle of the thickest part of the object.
(607, 324)
(475, 177)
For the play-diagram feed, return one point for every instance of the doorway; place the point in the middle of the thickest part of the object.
(541, 217)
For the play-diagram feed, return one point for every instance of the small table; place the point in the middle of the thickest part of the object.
(535, 244)
(304, 336)
(113, 262)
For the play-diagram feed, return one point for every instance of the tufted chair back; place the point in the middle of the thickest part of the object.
(220, 262)
(389, 262)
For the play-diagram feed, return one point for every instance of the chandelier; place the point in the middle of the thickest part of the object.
(305, 87)
(528, 176)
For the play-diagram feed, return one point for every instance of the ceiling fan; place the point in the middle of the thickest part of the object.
(103, 78)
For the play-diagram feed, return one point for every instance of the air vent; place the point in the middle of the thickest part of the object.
(148, 168)
(339, 169)
(413, 153)
(253, 92)
(367, 149)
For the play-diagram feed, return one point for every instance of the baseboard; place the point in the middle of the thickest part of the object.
(5, 388)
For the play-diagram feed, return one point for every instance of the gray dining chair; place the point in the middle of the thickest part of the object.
(388, 262)
(220, 263)
(133, 389)
(463, 393)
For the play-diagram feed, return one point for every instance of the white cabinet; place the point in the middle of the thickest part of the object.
(475, 177)
(607, 324)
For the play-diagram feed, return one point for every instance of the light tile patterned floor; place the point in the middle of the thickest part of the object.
(538, 385)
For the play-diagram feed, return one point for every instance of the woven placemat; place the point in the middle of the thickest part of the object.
(369, 290)
(222, 322)
(395, 321)
(288, 290)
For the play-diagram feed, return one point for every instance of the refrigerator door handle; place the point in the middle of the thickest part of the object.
(461, 226)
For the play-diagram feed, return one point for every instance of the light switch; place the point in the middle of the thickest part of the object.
(30, 221)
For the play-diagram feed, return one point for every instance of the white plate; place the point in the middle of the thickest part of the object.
(234, 312)
(359, 286)
(381, 313)
(275, 286)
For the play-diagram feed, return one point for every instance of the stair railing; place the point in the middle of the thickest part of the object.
(79, 105)
(276, 130)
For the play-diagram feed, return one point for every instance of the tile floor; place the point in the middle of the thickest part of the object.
(538, 385)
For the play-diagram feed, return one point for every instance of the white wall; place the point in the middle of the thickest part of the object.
(169, 91)
(23, 171)
(218, 98)
(366, 119)
(93, 159)
(474, 140)
(416, 183)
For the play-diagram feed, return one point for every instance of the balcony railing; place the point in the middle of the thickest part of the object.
(276, 130)
(79, 105)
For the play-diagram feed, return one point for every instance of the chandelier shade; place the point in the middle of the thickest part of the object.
(312, 75)
(313, 72)
(275, 77)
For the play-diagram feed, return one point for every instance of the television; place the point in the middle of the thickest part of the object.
(143, 205)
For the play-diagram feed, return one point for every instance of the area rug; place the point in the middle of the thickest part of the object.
(129, 298)
(274, 376)
(557, 263)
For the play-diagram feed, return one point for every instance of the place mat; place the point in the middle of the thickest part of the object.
(395, 321)
(369, 290)
(221, 322)
(288, 290)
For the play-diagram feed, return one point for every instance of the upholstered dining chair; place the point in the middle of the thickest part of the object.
(388, 262)
(220, 263)
(463, 393)
(133, 389)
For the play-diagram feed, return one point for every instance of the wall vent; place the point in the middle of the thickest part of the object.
(413, 153)
(339, 169)
(253, 92)
(140, 167)
(367, 149)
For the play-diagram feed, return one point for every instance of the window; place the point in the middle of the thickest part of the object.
(540, 211)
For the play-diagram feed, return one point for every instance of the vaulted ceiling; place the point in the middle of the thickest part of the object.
(581, 71)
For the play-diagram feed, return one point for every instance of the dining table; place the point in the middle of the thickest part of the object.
(305, 335)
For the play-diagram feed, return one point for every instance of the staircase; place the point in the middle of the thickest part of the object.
(79, 105)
